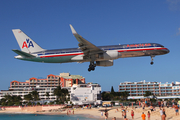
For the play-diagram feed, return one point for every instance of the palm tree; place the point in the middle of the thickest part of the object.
(64, 94)
(60, 93)
(17, 100)
(11, 100)
(57, 92)
(35, 95)
(47, 95)
(28, 97)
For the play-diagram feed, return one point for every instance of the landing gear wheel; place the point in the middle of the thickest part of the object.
(89, 69)
(152, 63)
(92, 66)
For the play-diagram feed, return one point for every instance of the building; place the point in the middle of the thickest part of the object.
(42, 86)
(64, 80)
(68, 80)
(156, 88)
(86, 94)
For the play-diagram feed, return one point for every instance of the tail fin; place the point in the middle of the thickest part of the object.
(26, 43)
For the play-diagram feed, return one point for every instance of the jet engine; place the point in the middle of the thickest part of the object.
(109, 55)
(104, 63)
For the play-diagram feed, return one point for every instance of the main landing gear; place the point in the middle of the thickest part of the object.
(152, 60)
(92, 66)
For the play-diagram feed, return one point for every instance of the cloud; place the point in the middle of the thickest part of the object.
(178, 33)
(174, 5)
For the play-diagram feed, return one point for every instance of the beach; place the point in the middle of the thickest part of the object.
(96, 112)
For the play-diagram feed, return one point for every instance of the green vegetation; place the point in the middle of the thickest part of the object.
(60, 94)
(47, 95)
(9, 100)
(106, 96)
(147, 94)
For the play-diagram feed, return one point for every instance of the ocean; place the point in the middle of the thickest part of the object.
(42, 117)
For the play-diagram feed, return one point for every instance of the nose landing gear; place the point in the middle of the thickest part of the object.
(152, 60)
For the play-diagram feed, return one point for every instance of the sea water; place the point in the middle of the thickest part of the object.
(42, 117)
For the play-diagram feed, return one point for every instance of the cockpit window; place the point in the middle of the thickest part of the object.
(158, 45)
(162, 46)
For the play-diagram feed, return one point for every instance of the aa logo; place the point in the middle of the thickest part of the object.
(27, 44)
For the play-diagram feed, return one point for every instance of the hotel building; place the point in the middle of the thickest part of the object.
(42, 86)
(156, 88)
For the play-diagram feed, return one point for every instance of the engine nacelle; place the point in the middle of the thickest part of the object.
(104, 63)
(109, 55)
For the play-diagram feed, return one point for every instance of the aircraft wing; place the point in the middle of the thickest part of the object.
(86, 47)
(24, 54)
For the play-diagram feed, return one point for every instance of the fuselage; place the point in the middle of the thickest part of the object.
(76, 55)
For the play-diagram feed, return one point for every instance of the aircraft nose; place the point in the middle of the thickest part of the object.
(167, 50)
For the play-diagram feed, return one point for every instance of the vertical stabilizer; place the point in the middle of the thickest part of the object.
(26, 43)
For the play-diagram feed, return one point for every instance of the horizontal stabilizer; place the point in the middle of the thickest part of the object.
(24, 54)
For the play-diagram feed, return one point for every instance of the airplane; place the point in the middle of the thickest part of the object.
(86, 52)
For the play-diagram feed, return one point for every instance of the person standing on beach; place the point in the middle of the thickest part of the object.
(163, 116)
(132, 114)
(176, 110)
(165, 103)
(148, 114)
(159, 103)
(124, 114)
(73, 111)
(139, 103)
(143, 116)
(106, 114)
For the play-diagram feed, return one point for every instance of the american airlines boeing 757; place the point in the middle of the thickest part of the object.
(86, 52)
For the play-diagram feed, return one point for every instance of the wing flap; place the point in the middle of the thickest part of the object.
(24, 54)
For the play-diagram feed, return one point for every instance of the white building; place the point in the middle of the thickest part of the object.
(160, 90)
(24, 91)
(86, 94)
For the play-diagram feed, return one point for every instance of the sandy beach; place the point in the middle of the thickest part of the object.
(96, 112)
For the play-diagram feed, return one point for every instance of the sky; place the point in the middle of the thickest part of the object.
(102, 22)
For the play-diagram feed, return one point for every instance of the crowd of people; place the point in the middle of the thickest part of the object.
(150, 108)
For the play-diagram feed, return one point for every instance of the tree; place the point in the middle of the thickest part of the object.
(35, 95)
(61, 94)
(112, 89)
(9, 100)
(47, 95)
(28, 97)
(112, 94)
(106, 96)
(65, 92)
(57, 92)
(124, 95)
(17, 100)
